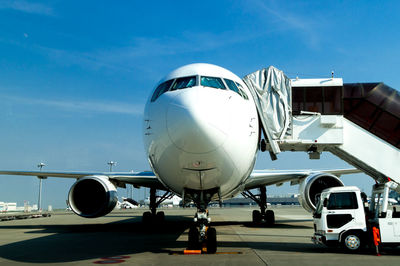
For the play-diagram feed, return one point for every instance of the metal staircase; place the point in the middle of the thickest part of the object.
(358, 122)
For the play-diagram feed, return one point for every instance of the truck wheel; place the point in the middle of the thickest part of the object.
(352, 242)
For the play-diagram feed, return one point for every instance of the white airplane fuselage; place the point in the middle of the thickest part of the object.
(202, 137)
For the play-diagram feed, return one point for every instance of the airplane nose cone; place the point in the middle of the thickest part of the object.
(197, 122)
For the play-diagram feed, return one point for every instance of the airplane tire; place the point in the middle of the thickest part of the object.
(194, 238)
(160, 216)
(146, 218)
(211, 240)
(270, 217)
(257, 217)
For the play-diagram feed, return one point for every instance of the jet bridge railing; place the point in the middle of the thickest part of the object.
(359, 123)
(372, 106)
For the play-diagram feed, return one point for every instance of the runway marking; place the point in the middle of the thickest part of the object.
(111, 260)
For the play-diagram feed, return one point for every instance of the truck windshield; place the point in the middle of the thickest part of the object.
(342, 200)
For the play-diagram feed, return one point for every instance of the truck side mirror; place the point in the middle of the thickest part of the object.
(325, 203)
(364, 197)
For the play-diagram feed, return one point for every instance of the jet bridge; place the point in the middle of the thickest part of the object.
(358, 122)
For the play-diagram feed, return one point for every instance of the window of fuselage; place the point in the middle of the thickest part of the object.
(185, 82)
(212, 82)
(163, 87)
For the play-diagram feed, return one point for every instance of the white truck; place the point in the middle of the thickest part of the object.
(343, 216)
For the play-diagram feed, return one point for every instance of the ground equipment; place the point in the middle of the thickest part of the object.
(345, 216)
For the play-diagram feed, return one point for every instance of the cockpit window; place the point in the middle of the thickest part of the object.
(241, 91)
(232, 86)
(212, 82)
(236, 87)
(163, 87)
(185, 82)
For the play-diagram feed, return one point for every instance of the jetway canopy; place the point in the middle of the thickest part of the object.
(272, 93)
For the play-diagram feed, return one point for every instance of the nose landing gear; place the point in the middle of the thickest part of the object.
(201, 235)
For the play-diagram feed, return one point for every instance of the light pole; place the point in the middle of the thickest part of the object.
(40, 166)
(111, 164)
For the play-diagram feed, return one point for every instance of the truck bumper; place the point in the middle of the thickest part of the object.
(318, 239)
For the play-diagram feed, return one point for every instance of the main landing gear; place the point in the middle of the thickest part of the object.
(152, 215)
(201, 235)
(263, 214)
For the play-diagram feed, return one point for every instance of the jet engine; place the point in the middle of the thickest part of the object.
(92, 196)
(313, 185)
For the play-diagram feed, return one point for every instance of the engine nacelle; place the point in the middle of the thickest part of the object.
(92, 196)
(314, 184)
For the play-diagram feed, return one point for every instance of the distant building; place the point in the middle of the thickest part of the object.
(12, 207)
(289, 200)
(8, 206)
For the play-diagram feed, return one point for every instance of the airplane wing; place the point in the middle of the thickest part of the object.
(145, 179)
(260, 178)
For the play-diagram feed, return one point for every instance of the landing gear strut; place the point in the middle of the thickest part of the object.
(153, 215)
(263, 214)
(201, 235)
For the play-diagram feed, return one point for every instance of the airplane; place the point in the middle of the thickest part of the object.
(173, 200)
(202, 133)
(127, 203)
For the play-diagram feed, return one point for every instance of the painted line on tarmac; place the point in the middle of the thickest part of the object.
(111, 260)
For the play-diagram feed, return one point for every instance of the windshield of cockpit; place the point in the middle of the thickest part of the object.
(205, 81)
(212, 82)
(185, 82)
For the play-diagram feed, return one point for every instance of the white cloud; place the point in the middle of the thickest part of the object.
(80, 106)
(126, 58)
(285, 19)
(27, 7)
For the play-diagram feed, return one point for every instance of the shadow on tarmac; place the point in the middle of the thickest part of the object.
(279, 224)
(68, 243)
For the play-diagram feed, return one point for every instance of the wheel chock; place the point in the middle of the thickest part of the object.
(204, 248)
(191, 252)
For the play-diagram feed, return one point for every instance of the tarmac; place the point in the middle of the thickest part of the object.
(121, 238)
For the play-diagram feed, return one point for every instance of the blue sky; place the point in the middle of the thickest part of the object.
(74, 75)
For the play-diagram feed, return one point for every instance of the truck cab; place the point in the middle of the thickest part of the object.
(340, 217)
(344, 216)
